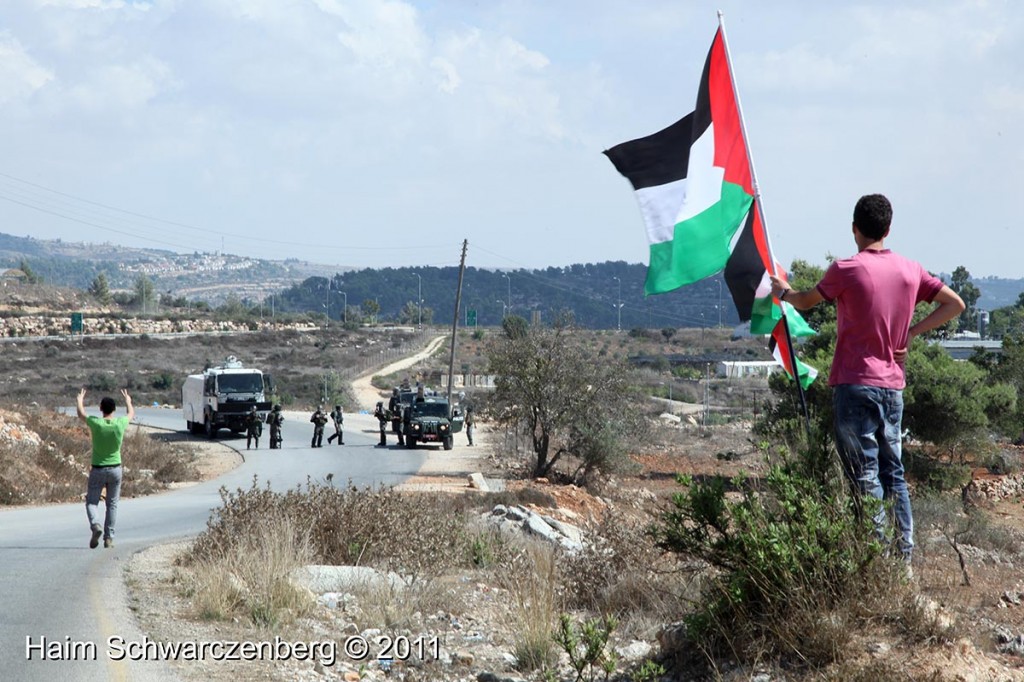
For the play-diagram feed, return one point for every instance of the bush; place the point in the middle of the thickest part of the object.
(349, 526)
(786, 557)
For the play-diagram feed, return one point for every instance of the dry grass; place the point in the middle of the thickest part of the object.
(251, 576)
(533, 582)
(56, 470)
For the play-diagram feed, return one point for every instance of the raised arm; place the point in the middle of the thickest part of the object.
(128, 404)
(81, 405)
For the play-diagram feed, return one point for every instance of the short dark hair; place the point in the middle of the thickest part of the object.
(107, 405)
(873, 215)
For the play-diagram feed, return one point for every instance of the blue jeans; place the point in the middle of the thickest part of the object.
(110, 479)
(869, 440)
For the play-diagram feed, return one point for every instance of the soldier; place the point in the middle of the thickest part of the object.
(274, 420)
(253, 428)
(338, 417)
(318, 420)
(394, 406)
(383, 416)
(398, 422)
(469, 422)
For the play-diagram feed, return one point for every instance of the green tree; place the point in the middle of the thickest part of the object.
(100, 289)
(962, 284)
(30, 275)
(411, 314)
(370, 310)
(145, 294)
(568, 403)
(951, 404)
(233, 308)
(1007, 367)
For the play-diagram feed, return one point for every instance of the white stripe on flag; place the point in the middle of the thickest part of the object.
(659, 207)
(704, 186)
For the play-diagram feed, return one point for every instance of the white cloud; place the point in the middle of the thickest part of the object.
(121, 87)
(83, 4)
(448, 75)
(20, 75)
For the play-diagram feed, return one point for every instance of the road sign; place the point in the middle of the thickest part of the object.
(470, 318)
(76, 323)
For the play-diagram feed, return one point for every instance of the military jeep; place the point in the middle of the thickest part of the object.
(432, 420)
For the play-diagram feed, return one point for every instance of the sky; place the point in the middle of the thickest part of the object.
(384, 133)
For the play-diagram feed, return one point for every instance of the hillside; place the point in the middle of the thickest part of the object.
(605, 295)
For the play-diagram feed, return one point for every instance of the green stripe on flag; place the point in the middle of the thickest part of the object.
(766, 314)
(700, 246)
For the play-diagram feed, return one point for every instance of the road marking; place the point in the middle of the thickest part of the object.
(118, 669)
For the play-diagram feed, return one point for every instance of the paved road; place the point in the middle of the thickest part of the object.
(53, 586)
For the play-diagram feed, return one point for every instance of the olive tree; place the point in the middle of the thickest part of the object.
(569, 403)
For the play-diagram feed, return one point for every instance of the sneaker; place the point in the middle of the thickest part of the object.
(108, 542)
(97, 531)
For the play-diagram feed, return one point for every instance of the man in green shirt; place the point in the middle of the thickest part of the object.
(107, 434)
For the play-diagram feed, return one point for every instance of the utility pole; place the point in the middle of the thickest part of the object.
(344, 310)
(455, 320)
(509, 290)
(618, 306)
(419, 300)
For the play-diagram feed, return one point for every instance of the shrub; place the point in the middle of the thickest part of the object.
(349, 526)
(785, 556)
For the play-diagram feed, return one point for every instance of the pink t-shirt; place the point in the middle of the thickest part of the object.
(875, 294)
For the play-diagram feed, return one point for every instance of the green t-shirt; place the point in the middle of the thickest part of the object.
(107, 435)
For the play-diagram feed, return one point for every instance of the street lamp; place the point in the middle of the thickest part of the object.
(504, 309)
(327, 305)
(419, 300)
(509, 290)
(618, 306)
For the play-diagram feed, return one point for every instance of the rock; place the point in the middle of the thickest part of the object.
(476, 481)
(634, 651)
(321, 579)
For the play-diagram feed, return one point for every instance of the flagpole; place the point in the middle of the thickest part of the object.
(758, 206)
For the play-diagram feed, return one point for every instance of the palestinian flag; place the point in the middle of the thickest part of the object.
(694, 186)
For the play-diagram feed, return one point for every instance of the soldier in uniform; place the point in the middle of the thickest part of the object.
(338, 417)
(469, 422)
(253, 428)
(383, 416)
(394, 406)
(319, 419)
(274, 420)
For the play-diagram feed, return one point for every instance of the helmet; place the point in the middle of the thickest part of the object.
(277, 408)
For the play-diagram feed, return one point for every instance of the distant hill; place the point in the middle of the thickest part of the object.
(997, 292)
(210, 277)
(591, 292)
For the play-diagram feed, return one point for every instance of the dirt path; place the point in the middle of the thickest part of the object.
(445, 471)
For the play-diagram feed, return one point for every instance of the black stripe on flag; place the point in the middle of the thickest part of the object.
(657, 159)
(744, 270)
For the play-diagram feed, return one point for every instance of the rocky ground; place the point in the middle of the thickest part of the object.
(471, 621)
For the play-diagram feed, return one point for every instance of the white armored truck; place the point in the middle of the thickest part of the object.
(221, 397)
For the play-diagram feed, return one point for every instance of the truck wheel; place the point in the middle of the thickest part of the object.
(211, 430)
(448, 443)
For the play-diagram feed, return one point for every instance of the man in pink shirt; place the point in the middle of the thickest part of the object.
(875, 293)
